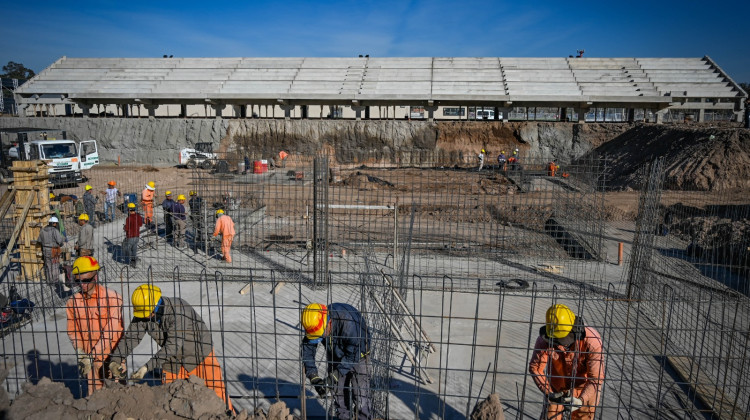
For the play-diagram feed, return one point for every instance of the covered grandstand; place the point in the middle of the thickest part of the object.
(388, 87)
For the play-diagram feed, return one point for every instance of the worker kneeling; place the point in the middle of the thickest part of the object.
(185, 342)
(344, 334)
(568, 365)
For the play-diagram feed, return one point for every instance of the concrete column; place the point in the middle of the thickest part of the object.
(367, 112)
(151, 110)
(497, 114)
(701, 115)
(287, 111)
(358, 111)
(631, 115)
(563, 114)
(183, 111)
(218, 108)
(659, 115)
(124, 110)
(303, 110)
(431, 112)
(85, 109)
(581, 115)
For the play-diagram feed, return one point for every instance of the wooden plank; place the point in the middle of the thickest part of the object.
(277, 287)
(709, 394)
(246, 289)
(6, 201)
(16, 231)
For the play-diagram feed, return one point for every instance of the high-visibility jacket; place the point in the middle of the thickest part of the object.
(224, 226)
(147, 196)
(95, 322)
(552, 366)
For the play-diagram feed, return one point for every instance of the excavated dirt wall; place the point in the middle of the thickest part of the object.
(159, 141)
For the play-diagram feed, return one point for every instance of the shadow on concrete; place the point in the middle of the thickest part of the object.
(270, 388)
(66, 373)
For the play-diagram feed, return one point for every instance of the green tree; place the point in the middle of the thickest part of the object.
(15, 70)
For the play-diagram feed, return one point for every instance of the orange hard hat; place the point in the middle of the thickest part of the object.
(112, 183)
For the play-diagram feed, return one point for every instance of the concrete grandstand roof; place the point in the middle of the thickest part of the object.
(649, 82)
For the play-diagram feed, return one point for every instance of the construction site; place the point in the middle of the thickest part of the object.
(641, 229)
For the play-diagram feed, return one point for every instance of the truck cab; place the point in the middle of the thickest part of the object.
(66, 158)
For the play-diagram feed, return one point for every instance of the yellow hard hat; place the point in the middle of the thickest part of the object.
(482, 150)
(559, 320)
(220, 211)
(168, 193)
(131, 205)
(89, 187)
(144, 299)
(503, 152)
(192, 193)
(85, 265)
(51, 195)
(151, 186)
(314, 320)
(83, 216)
(180, 197)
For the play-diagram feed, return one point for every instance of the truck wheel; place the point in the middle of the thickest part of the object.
(207, 164)
(191, 164)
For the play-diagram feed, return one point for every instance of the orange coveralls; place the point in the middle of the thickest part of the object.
(552, 369)
(209, 370)
(225, 227)
(147, 201)
(95, 326)
(551, 168)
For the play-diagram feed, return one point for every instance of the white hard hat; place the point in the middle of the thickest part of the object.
(53, 219)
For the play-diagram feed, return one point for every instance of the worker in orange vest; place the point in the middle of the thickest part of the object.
(225, 227)
(95, 323)
(551, 168)
(147, 201)
(283, 155)
(568, 365)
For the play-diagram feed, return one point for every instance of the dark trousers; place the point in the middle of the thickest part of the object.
(352, 393)
(130, 250)
(168, 227)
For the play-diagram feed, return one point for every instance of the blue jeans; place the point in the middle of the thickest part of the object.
(130, 250)
(107, 207)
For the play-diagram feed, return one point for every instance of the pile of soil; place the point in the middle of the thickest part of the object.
(489, 409)
(366, 182)
(695, 158)
(182, 399)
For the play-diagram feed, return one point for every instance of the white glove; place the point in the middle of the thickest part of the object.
(139, 374)
(84, 362)
(572, 403)
(117, 369)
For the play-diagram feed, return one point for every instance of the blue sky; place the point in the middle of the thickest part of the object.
(36, 33)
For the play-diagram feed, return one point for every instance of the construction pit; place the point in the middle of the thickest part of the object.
(453, 269)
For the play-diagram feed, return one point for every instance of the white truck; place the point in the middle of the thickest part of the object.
(66, 158)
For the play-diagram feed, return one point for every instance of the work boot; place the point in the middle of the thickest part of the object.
(133, 263)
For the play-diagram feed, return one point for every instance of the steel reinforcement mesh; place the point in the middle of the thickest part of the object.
(453, 269)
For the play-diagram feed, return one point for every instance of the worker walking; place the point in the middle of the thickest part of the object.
(179, 222)
(481, 159)
(89, 203)
(344, 334)
(513, 160)
(225, 227)
(51, 241)
(147, 201)
(568, 365)
(94, 322)
(85, 244)
(196, 218)
(110, 201)
(551, 168)
(167, 205)
(132, 229)
(184, 340)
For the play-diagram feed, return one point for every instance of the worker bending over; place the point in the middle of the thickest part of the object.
(346, 338)
(225, 227)
(568, 365)
(185, 346)
(94, 322)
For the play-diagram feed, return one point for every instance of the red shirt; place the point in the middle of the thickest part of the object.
(133, 225)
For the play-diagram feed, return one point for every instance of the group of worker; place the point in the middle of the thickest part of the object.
(567, 364)
(102, 343)
(503, 160)
(175, 219)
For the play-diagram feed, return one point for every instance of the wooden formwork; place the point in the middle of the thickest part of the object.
(32, 211)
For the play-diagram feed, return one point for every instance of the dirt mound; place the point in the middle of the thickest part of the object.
(489, 409)
(703, 159)
(366, 182)
(188, 399)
